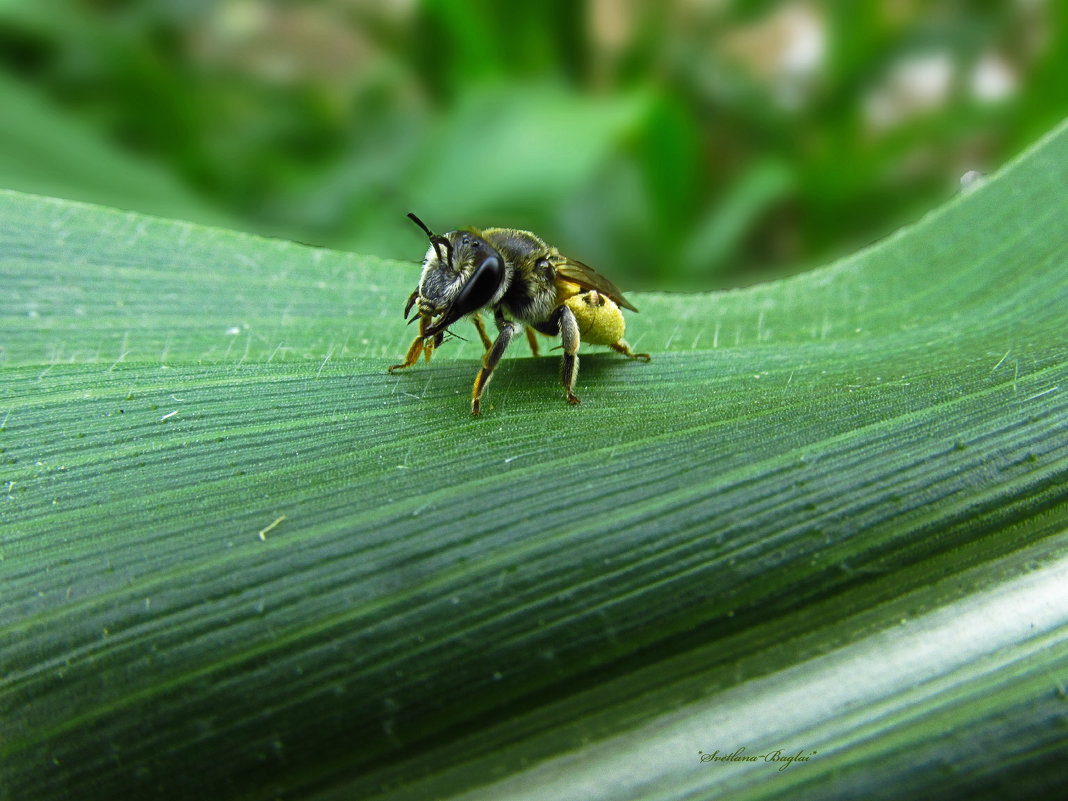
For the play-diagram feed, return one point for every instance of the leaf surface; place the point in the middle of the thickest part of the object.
(238, 557)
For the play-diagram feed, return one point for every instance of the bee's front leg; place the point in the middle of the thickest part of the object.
(489, 361)
(417, 346)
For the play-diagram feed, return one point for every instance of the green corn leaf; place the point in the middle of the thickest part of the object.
(828, 519)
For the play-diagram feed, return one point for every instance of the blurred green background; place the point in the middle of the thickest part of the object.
(682, 144)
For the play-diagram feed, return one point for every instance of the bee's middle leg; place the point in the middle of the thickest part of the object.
(487, 343)
(532, 340)
(489, 361)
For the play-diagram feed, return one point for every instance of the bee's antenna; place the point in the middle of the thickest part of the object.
(435, 240)
(421, 224)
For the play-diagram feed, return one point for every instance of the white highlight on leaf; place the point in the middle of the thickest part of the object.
(811, 704)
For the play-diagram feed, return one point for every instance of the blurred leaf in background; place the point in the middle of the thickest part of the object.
(674, 144)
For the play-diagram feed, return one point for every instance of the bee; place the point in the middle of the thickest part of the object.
(526, 284)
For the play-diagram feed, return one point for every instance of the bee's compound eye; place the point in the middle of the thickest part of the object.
(483, 284)
(479, 290)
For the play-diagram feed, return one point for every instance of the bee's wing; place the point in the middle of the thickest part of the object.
(586, 276)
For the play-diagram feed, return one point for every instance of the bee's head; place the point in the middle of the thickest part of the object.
(462, 273)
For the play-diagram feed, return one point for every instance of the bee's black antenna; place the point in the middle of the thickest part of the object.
(435, 240)
(421, 224)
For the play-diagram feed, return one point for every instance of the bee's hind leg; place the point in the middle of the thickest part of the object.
(622, 347)
(569, 338)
